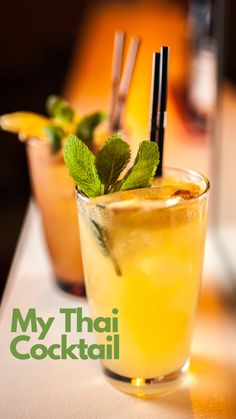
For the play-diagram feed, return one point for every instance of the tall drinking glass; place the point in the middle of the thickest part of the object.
(142, 253)
(54, 193)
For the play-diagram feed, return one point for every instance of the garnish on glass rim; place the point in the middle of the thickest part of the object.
(101, 175)
(54, 129)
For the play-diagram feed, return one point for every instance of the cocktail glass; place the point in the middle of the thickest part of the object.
(142, 253)
(54, 194)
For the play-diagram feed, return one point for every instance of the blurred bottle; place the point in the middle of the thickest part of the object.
(202, 84)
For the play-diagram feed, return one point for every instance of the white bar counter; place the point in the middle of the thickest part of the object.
(71, 389)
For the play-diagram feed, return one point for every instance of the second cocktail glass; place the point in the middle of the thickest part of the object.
(54, 193)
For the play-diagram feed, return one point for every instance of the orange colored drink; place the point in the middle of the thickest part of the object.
(54, 194)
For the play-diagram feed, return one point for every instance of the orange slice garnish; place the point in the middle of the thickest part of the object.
(25, 124)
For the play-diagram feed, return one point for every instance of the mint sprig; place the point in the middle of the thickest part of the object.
(58, 108)
(65, 119)
(143, 169)
(99, 176)
(81, 164)
(86, 126)
(55, 135)
(111, 160)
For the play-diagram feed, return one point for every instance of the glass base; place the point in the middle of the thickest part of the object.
(146, 387)
(71, 287)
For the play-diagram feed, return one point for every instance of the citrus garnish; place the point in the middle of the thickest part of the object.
(62, 121)
(25, 124)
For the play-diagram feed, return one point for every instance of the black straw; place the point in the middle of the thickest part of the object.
(155, 96)
(163, 85)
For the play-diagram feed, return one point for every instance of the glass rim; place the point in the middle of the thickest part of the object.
(44, 148)
(37, 140)
(163, 203)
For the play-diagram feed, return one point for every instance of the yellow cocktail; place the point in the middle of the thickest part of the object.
(142, 253)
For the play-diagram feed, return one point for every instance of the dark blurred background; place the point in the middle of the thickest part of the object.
(37, 40)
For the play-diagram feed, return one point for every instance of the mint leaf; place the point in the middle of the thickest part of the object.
(143, 169)
(100, 237)
(103, 242)
(54, 135)
(86, 126)
(81, 164)
(58, 108)
(111, 159)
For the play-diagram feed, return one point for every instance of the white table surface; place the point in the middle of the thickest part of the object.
(72, 389)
